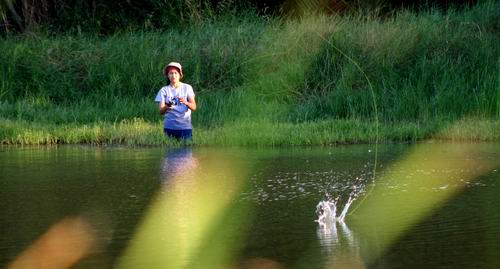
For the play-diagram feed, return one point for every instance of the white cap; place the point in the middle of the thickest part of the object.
(172, 64)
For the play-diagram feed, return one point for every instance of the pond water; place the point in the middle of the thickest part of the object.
(428, 205)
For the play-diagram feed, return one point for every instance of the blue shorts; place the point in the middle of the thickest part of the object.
(179, 134)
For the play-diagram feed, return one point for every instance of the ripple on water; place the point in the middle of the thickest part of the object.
(287, 186)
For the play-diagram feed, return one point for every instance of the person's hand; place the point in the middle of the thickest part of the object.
(185, 102)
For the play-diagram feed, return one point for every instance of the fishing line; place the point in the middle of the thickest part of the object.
(356, 64)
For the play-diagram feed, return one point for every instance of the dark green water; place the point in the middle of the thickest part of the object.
(251, 208)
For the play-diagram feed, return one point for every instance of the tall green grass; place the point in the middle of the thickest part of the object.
(263, 81)
(136, 131)
(422, 67)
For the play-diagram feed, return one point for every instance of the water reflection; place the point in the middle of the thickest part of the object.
(340, 246)
(336, 239)
(433, 174)
(178, 162)
(190, 208)
(185, 225)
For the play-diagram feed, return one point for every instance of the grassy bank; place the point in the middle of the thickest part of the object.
(262, 81)
(249, 133)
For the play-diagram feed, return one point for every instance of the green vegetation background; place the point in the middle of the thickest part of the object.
(261, 80)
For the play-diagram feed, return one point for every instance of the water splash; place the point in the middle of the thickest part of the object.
(327, 209)
(327, 212)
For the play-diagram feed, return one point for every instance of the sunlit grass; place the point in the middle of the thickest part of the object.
(470, 129)
(133, 132)
(407, 71)
(246, 133)
(261, 85)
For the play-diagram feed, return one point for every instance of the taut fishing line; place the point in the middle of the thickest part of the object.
(376, 116)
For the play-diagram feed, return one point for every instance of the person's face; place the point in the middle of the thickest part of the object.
(174, 76)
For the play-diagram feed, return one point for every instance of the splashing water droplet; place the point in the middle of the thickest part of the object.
(327, 210)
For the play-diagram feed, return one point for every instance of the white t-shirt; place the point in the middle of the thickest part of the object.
(179, 117)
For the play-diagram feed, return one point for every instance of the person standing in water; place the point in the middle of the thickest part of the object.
(176, 102)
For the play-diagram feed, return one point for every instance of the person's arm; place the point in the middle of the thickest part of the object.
(161, 99)
(190, 102)
(163, 107)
